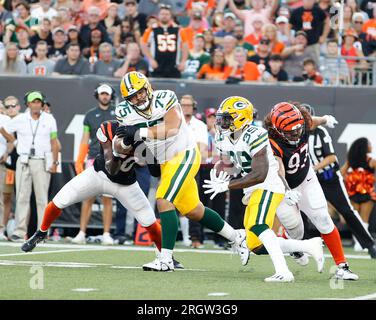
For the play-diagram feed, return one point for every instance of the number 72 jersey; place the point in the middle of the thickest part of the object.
(295, 159)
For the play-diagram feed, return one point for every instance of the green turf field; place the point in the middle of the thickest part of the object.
(56, 271)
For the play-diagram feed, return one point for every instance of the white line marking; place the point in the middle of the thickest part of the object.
(84, 289)
(51, 264)
(366, 297)
(218, 294)
(132, 267)
(45, 252)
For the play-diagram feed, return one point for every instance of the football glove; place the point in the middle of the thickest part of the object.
(330, 121)
(216, 184)
(128, 133)
(292, 197)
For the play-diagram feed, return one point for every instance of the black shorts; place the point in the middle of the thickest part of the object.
(360, 198)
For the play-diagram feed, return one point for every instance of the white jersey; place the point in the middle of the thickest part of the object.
(162, 101)
(241, 153)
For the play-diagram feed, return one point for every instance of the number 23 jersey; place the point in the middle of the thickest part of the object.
(241, 152)
(295, 159)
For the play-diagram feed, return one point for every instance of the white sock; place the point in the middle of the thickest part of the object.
(228, 232)
(184, 226)
(271, 244)
(291, 245)
(166, 254)
(106, 234)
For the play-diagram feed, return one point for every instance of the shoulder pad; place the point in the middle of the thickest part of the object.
(122, 110)
(165, 99)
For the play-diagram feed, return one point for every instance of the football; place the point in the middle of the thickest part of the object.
(226, 166)
(119, 149)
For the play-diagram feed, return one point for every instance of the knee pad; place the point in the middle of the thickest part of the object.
(290, 218)
(322, 221)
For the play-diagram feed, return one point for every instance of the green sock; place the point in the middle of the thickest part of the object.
(212, 220)
(169, 222)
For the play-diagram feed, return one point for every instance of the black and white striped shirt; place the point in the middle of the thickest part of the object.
(320, 146)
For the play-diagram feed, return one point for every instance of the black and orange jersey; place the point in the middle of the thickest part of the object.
(295, 158)
(126, 174)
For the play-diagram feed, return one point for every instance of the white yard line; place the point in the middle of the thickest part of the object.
(51, 264)
(46, 252)
(77, 247)
(366, 297)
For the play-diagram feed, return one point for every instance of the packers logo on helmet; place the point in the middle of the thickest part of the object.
(234, 114)
(132, 83)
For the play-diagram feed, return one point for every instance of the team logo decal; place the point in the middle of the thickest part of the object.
(239, 105)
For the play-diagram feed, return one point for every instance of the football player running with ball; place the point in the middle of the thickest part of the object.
(112, 175)
(156, 118)
(248, 149)
(288, 126)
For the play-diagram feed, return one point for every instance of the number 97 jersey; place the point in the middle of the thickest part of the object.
(241, 152)
(295, 159)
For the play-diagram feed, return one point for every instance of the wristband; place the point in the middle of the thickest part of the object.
(143, 132)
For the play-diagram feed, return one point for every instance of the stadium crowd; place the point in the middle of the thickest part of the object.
(231, 40)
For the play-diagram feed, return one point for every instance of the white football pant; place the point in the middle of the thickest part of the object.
(90, 183)
(313, 203)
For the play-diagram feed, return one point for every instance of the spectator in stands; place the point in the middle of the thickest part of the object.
(357, 22)
(197, 58)
(356, 8)
(275, 72)
(239, 35)
(310, 72)
(41, 65)
(5, 16)
(43, 33)
(369, 7)
(77, 13)
(126, 28)
(12, 108)
(73, 63)
(254, 37)
(44, 10)
(73, 36)
(151, 20)
(350, 50)
(229, 45)
(102, 6)
(11, 62)
(66, 20)
(196, 26)
(209, 41)
(112, 22)
(56, 22)
(259, 9)
(107, 65)
(30, 168)
(62, 4)
(262, 53)
(151, 7)
(314, 22)
(228, 26)
(139, 19)
(359, 174)
(284, 32)
(92, 53)
(295, 55)
(216, 69)
(330, 63)
(369, 29)
(216, 21)
(20, 19)
(57, 51)
(133, 61)
(347, 17)
(93, 23)
(242, 69)
(24, 47)
(207, 6)
(270, 32)
(165, 39)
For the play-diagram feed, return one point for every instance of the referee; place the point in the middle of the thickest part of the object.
(326, 166)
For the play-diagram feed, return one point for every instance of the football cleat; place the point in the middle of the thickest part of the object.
(30, 244)
(372, 251)
(281, 277)
(159, 265)
(177, 264)
(343, 272)
(240, 246)
(300, 258)
(316, 251)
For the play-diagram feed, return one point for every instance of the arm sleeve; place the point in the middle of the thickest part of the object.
(326, 141)
(276, 148)
(53, 128)
(258, 143)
